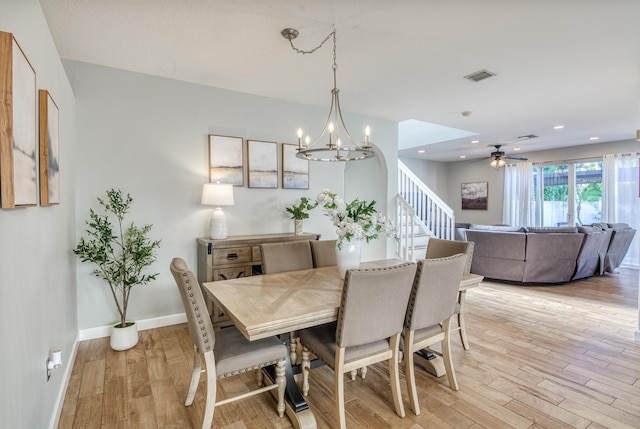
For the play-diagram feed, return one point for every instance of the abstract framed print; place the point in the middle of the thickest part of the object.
(295, 171)
(49, 152)
(226, 160)
(18, 140)
(263, 164)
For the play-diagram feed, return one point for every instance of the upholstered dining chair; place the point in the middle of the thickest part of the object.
(429, 313)
(438, 248)
(324, 253)
(288, 256)
(368, 329)
(226, 352)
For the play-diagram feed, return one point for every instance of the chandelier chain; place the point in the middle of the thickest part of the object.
(337, 148)
(302, 51)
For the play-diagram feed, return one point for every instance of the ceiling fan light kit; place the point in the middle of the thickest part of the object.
(499, 157)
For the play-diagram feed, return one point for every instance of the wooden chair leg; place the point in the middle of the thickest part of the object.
(446, 355)
(281, 381)
(363, 372)
(410, 374)
(339, 388)
(461, 321)
(259, 378)
(394, 375)
(306, 367)
(195, 377)
(353, 374)
(211, 390)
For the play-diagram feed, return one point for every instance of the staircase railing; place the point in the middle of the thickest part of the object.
(437, 217)
(409, 226)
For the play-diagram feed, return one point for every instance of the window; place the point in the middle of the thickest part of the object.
(568, 194)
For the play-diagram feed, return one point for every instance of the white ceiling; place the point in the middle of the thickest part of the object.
(569, 62)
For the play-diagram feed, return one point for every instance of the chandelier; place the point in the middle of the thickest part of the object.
(338, 143)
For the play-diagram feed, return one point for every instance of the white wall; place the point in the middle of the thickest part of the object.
(148, 136)
(432, 173)
(37, 269)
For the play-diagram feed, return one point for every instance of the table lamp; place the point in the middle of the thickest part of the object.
(217, 194)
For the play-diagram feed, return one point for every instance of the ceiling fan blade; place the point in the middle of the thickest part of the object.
(479, 159)
(516, 158)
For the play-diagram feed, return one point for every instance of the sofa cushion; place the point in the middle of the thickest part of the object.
(551, 258)
(503, 228)
(551, 229)
(498, 255)
(619, 226)
(589, 256)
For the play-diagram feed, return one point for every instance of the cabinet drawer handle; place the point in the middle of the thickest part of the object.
(232, 256)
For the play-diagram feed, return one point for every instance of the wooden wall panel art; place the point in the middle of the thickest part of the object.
(49, 152)
(18, 139)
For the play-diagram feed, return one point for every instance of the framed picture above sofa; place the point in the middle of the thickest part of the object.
(475, 195)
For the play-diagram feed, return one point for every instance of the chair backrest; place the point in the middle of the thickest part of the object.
(435, 291)
(288, 256)
(200, 326)
(324, 253)
(374, 303)
(438, 248)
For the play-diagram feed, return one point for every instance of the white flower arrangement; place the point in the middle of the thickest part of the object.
(358, 220)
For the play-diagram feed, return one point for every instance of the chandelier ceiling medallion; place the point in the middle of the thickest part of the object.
(338, 143)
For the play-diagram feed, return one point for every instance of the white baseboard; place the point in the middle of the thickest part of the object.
(156, 322)
(68, 369)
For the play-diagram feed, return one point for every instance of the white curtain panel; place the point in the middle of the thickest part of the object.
(609, 188)
(620, 197)
(518, 195)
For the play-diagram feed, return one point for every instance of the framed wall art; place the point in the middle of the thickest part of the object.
(475, 196)
(295, 171)
(263, 164)
(18, 140)
(49, 161)
(226, 160)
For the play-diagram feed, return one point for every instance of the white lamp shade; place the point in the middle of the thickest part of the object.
(217, 194)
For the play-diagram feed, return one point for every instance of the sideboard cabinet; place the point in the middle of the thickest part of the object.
(236, 256)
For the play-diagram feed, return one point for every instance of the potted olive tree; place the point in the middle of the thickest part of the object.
(120, 254)
(299, 212)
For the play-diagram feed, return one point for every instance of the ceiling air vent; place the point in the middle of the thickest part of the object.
(479, 75)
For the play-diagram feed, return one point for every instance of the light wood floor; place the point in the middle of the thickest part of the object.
(541, 357)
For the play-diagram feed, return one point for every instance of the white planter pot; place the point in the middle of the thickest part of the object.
(348, 257)
(298, 225)
(124, 338)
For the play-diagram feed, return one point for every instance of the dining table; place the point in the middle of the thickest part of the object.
(277, 304)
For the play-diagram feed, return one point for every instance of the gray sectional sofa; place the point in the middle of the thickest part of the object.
(533, 255)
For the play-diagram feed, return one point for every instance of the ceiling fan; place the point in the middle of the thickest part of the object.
(498, 157)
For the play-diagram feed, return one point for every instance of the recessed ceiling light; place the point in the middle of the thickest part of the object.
(558, 127)
(516, 148)
(421, 151)
(594, 138)
(463, 156)
(475, 141)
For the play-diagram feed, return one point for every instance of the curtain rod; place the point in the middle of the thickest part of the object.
(591, 158)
